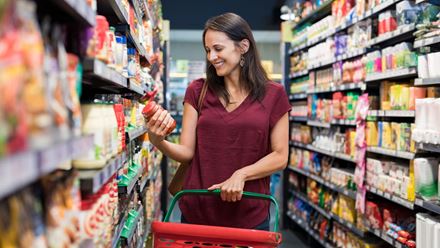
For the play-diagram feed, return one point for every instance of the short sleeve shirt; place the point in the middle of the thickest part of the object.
(227, 141)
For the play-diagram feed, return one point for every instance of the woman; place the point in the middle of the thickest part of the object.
(237, 139)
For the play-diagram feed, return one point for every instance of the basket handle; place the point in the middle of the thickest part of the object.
(246, 194)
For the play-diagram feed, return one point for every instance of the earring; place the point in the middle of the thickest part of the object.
(242, 60)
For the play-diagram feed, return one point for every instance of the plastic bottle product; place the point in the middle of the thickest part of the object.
(124, 56)
(113, 127)
(119, 50)
(150, 109)
(111, 47)
(92, 124)
(131, 58)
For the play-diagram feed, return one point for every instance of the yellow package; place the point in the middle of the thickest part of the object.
(347, 209)
(371, 133)
(395, 135)
(412, 143)
(353, 143)
(385, 95)
(411, 186)
(395, 96)
(386, 135)
(404, 97)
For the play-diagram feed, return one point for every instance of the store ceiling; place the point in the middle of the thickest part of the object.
(192, 14)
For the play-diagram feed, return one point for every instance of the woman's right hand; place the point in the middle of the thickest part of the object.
(158, 125)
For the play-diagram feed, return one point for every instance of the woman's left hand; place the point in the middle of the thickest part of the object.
(231, 189)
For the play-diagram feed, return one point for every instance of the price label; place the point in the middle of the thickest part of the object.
(419, 202)
(377, 232)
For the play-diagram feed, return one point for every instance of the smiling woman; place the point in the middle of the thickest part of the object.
(237, 137)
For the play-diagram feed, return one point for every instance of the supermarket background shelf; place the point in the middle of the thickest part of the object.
(298, 118)
(427, 42)
(298, 96)
(343, 122)
(428, 147)
(305, 226)
(429, 205)
(135, 225)
(351, 54)
(316, 14)
(392, 153)
(341, 190)
(79, 10)
(318, 124)
(380, 234)
(319, 150)
(299, 74)
(34, 164)
(426, 81)
(116, 8)
(401, 31)
(316, 207)
(395, 74)
(97, 69)
(349, 225)
(136, 132)
(117, 232)
(91, 181)
(137, 43)
(341, 87)
(135, 87)
(393, 198)
(298, 144)
(128, 189)
(322, 63)
(391, 113)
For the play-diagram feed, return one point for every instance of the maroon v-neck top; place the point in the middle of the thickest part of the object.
(226, 142)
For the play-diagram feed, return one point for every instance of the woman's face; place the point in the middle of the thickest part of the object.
(222, 53)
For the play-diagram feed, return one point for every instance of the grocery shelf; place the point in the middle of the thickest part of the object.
(347, 24)
(316, 207)
(351, 54)
(316, 14)
(137, 43)
(303, 224)
(136, 132)
(403, 30)
(395, 74)
(391, 197)
(298, 144)
(134, 226)
(322, 63)
(319, 150)
(91, 181)
(118, 231)
(135, 86)
(426, 81)
(349, 225)
(320, 38)
(33, 164)
(299, 74)
(98, 69)
(298, 118)
(427, 42)
(433, 206)
(298, 96)
(341, 190)
(345, 157)
(318, 124)
(391, 113)
(118, 9)
(128, 189)
(380, 234)
(343, 122)
(79, 10)
(429, 147)
(329, 88)
(392, 153)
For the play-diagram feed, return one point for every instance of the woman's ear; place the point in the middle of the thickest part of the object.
(244, 45)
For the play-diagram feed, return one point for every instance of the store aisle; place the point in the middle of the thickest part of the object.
(294, 239)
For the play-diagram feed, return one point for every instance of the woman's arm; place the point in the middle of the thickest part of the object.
(160, 122)
(232, 188)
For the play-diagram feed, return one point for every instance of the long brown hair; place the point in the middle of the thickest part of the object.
(252, 73)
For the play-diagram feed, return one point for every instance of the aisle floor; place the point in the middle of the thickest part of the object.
(294, 239)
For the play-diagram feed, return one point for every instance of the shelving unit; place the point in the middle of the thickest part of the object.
(298, 96)
(79, 10)
(380, 234)
(306, 227)
(299, 74)
(403, 33)
(298, 118)
(135, 133)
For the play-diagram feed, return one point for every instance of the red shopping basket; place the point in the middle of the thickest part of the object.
(172, 235)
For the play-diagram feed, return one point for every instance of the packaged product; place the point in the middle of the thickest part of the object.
(426, 176)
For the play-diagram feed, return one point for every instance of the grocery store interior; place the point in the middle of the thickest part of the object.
(78, 168)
